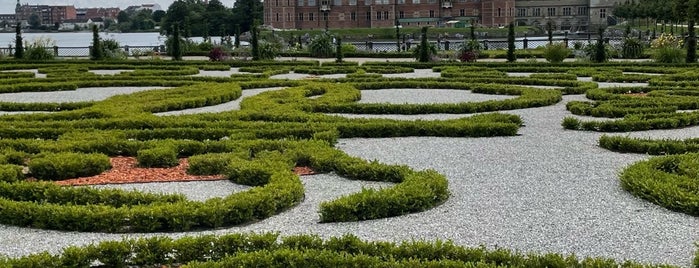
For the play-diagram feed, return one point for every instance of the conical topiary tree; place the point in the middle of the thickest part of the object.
(339, 57)
(176, 42)
(511, 43)
(424, 47)
(19, 44)
(236, 43)
(692, 35)
(600, 52)
(254, 42)
(96, 51)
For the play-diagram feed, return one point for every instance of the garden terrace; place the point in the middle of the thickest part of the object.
(496, 171)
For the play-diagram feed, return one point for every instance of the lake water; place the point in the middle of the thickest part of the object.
(84, 39)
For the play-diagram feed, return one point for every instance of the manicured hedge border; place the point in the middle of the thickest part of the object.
(668, 181)
(648, 146)
(271, 250)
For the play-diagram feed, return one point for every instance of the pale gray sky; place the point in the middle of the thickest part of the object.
(8, 6)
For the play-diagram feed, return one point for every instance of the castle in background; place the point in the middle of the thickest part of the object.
(566, 15)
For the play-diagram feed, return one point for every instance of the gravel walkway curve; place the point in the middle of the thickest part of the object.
(546, 190)
(427, 96)
(223, 107)
(78, 95)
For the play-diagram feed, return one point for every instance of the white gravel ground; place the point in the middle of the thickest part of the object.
(546, 190)
(35, 71)
(81, 94)
(426, 96)
(193, 190)
(109, 72)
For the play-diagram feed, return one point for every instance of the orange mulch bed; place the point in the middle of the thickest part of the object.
(126, 170)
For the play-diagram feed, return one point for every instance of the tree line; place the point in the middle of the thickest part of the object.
(195, 18)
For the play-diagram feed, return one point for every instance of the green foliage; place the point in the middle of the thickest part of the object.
(270, 250)
(668, 181)
(175, 43)
(19, 44)
(339, 55)
(11, 173)
(40, 49)
(96, 50)
(631, 48)
(600, 51)
(158, 157)
(511, 57)
(556, 53)
(268, 50)
(321, 46)
(61, 166)
(423, 50)
(254, 41)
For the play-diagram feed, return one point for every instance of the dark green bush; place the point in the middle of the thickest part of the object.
(158, 157)
(209, 164)
(61, 166)
(11, 173)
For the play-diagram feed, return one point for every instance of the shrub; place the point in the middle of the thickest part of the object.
(321, 46)
(631, 48)
(348, 48)
(218, 54)
(112, 50)
(96, 51)
(556, 53)
(669, 55)
(268, 50)
(40, 49)
(157, 157)
(61, 166)
(19, 44)
(11, 173)
(209, 164)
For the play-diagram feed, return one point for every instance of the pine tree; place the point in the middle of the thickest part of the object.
(692, 38)
(600, 52)
(237, 36)
(338, 51)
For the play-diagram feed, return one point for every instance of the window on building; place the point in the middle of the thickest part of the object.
(401, 1)
(536, 12)
(367, 2)
(277, 2)
(401, 14)
(431, 1)
(385, 15)
(353, 16)
(300, 3)
(378, 15)
(462, 12)
(326, 15)
(521, 12)
(277, 16)
(416, 1)
(352, 2)
(337, 2)
(311, 3)
(582, 11)
(603, 13)
(499, 12)
(288, 16)
(431, 13)
(300, 18)
(368, 15)
(310, 16)
(551, 11)
(567, 11)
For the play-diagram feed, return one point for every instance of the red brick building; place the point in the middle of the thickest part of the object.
(318, 14)
(48, 15)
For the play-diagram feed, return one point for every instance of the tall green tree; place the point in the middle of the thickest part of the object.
(19, 44)
(245, 12)
(34, 21)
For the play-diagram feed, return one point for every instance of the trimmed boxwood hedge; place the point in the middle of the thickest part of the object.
(61, 166)
(668, 181)
(271, 250)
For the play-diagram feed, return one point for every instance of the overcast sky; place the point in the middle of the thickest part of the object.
(8, 6)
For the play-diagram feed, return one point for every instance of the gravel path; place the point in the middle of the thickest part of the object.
(193, 190)
(35, 71)
(426, 96)
(81, 94)
(509, 192)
